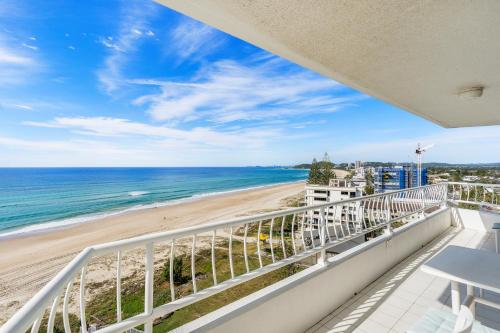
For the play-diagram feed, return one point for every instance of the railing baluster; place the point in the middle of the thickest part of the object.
(303, 231)
(283, 218)
(149, 285)
(258, 243)
(230, 252)
(36, 325)
(118, 287)
(67, 327)
(347, 220)
(83, 320)
(52, 315)
(245, 250)
(334, 219)
(214, 269)
(311, 231)
(271, 239)
(171, 270)
(293, 235)
(327, 211)
(341, 208)
(193, 264)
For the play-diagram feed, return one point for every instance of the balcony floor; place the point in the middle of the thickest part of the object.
(399, 298)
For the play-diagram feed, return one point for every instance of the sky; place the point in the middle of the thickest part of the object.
(133, 83)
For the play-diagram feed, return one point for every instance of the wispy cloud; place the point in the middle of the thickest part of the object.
(134, 20)
(23, 106)
(201, 136)
(31, 47)
(228, 91)
(48, 105)
(16, 66)
(192, 40)
(8, 57)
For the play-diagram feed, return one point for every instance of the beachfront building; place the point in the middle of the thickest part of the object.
(397, 178)
(337, 190)
(436, 59)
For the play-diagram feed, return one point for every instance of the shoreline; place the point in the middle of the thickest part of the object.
(51, 226)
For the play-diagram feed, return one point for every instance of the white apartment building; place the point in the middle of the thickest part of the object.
(470, 178)
(337, 190)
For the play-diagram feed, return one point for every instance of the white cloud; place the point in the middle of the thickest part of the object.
(200, 136)
(192, 40)
(16, 66)
(23, 106)
(71, 47)
(10, 58)
(257, 90)
(134, 20)
(31, 47)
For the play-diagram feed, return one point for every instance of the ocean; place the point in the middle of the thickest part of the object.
(34, 199)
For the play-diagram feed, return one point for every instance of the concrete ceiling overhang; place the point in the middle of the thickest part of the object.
(415, 54)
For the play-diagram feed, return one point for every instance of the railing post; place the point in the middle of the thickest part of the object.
(388, 228)
(322, 233)
(445, 200)
(148, 288)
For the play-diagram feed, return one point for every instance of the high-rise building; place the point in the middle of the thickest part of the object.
(397, 178)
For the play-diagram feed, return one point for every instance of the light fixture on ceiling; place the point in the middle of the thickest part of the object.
(471, 92)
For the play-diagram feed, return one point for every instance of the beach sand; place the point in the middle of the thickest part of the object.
(28, 262)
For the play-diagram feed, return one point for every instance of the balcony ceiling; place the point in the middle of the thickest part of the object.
(416, 55)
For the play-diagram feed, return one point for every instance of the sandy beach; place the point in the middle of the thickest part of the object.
(30, 261)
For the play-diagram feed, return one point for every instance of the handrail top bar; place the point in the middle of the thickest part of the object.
(473, 184)
(209, 226)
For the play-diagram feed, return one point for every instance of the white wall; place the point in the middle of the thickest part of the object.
(298, 302)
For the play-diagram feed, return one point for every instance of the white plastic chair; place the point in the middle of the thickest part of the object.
(465, 320)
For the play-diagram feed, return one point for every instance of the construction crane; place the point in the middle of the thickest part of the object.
(419, 151)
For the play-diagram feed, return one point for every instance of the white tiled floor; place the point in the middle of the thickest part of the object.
(395, 301)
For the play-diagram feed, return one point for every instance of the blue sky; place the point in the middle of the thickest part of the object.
(133, 83)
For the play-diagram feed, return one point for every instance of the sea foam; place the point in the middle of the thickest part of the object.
(137, 193)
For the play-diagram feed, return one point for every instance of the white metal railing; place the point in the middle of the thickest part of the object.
(290, 236)
(474, 194)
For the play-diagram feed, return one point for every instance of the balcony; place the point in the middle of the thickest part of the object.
(357, 271)
(399, 298)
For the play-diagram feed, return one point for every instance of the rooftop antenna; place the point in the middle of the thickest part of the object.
(419, 151)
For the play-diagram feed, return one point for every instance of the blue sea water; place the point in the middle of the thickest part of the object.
(36, 198)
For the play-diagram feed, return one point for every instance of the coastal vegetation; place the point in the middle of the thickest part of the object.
(321, 172)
